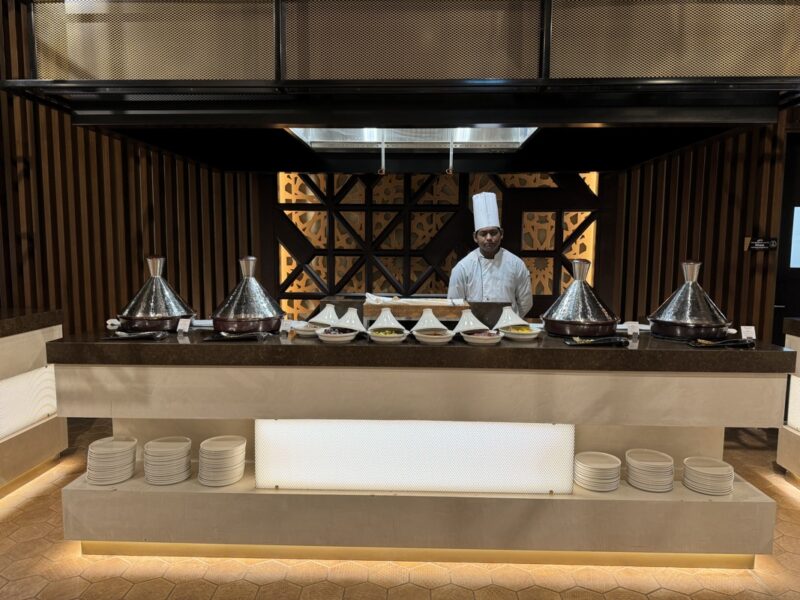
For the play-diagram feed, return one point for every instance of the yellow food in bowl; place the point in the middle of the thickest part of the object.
(517, 329)
(386, 332)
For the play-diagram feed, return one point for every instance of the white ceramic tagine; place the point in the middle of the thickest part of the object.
(326, 317)
(469, 322)
(428, 321)
(386, 322)
(350, 321)
(509, 319)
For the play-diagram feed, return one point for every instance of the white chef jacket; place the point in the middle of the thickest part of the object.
(504, 278)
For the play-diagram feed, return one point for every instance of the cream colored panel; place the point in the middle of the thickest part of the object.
(26, 399)
(578, 397)
(25, 351)
(28, 448)
(627, 520)
(793, 342)
(789, 449)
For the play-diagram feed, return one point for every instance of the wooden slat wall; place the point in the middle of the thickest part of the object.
(701, 203)
(81, 209)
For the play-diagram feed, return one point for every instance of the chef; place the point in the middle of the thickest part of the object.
(489, 273)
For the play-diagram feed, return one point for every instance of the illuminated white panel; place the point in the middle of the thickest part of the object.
(414, 456)
(26, 399)
(793, 416)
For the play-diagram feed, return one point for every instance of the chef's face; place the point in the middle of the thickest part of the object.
(488, 240)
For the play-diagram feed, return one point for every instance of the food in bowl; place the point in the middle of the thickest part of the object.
(517, 329)
(434, 332)
(336, 331)
(386, 331)
(490, 333)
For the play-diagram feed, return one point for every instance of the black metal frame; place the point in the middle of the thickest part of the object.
(541, 100)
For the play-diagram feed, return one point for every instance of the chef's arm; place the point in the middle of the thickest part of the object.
(523, 292)
(458, 284)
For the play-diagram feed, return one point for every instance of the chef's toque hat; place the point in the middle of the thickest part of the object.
(484, 209)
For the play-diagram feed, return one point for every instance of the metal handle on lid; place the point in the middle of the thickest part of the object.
(156, 265)
(691, 270)
(248, 266)
(580, 269)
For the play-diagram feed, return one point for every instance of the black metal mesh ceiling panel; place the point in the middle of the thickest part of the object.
(412, 39)
(660, 38)
(218, 39)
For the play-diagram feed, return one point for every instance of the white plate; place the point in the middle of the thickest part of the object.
(598, 460)
(708, 466)
(647, 459)
(480, 340)
(112, 445)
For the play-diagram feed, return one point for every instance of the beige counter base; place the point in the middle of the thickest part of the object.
(627, 559)
(577, 397)
(627, 520)
(789, 449)
(22, 453)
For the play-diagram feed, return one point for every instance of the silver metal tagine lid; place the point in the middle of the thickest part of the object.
(156, 299)
(248, 301)
(689, 304)
(579, 303)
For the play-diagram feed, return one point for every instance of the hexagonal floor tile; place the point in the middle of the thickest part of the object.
(325, 590)
(280, 590)
(153, 589)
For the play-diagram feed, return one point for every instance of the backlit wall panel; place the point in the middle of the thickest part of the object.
(414, 456)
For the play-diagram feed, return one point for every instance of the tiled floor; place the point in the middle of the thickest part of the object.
(35, 561)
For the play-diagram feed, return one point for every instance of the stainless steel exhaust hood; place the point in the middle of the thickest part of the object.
(475, 139)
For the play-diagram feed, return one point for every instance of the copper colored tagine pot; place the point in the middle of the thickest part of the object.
(578, 312)
(689, 313)
(249, 308)
(156, 307)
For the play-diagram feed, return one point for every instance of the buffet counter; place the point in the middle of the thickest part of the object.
(661, 395)
(30, 433)
(544, 353)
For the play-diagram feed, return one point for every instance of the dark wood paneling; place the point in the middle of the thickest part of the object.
(81, 209)
(701, 203)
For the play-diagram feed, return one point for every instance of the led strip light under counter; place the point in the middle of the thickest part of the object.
(414, 456)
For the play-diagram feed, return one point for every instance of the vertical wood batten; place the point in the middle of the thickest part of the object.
(717, 193)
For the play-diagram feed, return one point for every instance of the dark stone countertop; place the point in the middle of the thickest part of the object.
(545, 353)
(22, 320)
(791, 326)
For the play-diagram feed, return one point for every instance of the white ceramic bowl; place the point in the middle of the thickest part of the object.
(397, 338)
(521, 337)
(336, 338)
(433, 340)
(308, 330)
(481, 340)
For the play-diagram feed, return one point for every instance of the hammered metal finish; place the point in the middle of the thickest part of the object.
(689, 312)
(249, 307)
(579, 311)
(156, 306)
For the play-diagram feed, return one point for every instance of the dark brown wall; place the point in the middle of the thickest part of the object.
(81, 209)
(700, 203)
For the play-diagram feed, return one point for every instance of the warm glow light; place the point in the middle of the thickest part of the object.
(414, 456)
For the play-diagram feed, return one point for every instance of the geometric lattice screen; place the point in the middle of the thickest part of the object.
(403, 233)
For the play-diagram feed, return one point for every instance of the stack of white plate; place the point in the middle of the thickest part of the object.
(167, 460)
(222, 460)
(597, 471)
(707, 475)
(111, 460)
(650, 470)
